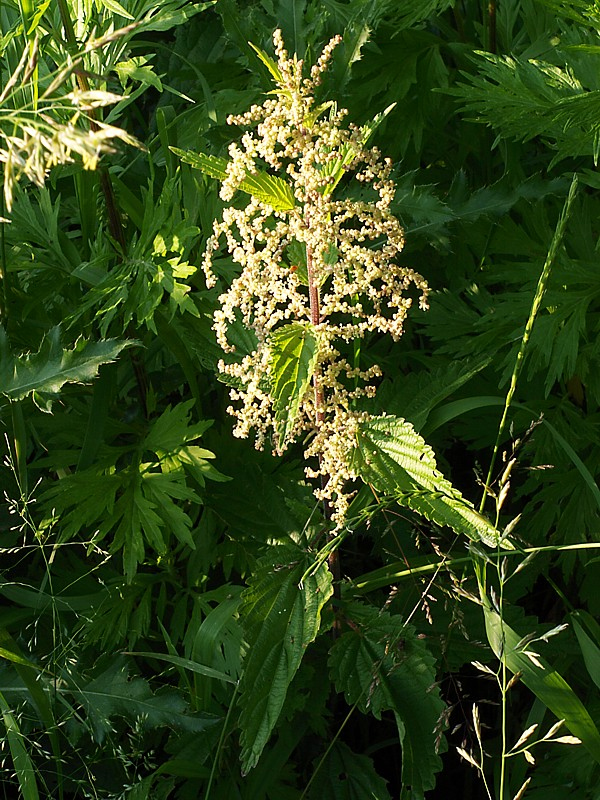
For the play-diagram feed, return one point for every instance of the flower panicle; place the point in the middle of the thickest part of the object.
(348, 285)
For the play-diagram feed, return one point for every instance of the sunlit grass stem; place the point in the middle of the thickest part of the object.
(535, 307)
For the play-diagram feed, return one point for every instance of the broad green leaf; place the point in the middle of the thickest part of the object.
(282, 614)
(293, 357)
(44, 373)
(344, 775)
(381, 665)
(396, 460)
(114, 693)
(269, 189)
(546, 683)
(22, 762)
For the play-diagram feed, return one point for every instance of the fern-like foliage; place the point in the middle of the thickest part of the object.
(525, 98)
(144, 501)
(114, 693)
(346, 774)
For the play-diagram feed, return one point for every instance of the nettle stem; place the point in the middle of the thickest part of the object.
(333, 559)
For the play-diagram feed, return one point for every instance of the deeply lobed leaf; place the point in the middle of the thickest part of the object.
(43, 374)
(381, 666)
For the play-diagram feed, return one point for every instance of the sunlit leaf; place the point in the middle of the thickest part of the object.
(269, 189)
(397, 461)
(47, 371)
(544, 681)
(293, 356)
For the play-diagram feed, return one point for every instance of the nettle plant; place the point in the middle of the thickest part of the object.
(318, 247)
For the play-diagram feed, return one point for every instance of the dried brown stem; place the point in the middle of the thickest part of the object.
(115, 226)
(492, 35)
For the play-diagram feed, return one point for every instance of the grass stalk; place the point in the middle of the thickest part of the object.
(535, 307)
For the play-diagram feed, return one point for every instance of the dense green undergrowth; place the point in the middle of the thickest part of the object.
(179, 616)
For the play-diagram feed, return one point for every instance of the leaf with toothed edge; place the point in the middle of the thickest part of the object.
(281, 612)
(269, 189)
(392, 456)
(43, 374)
(293, 357)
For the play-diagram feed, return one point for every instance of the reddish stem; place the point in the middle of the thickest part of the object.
(333, 559)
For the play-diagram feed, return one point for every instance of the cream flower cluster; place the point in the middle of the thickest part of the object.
(349, 284)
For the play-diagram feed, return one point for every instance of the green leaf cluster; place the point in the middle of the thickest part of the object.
(250, 672)
(141, 504)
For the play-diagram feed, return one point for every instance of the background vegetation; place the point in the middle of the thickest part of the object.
(165, 627)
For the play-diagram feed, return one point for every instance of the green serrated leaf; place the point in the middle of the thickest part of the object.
(336, 168)
(269, 189)
(282, 613)
(173, 429)
(269, 64)
(345, 774)
(393, 457)
(381, 665)
(293, 357)
(45, 373)
(213, 166)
